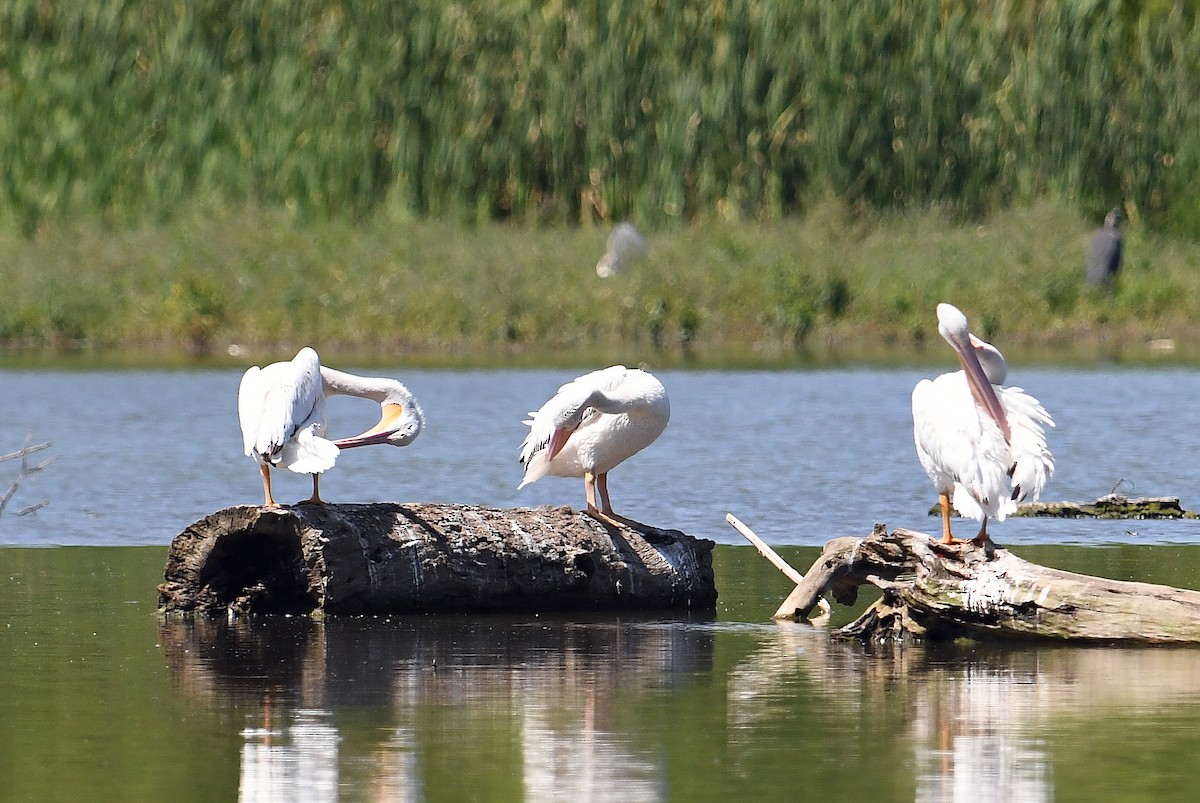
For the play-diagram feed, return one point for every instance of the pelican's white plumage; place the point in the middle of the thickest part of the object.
(625, 246)
(281, 408)
(282, 412)
(593, 424)
(982, 445)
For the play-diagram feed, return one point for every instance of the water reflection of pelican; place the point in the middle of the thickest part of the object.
(975, 720)
(552, 685)
(571, 747)
(292, 760)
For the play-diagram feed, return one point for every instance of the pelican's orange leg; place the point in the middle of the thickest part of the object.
(315, 499)
(602, 487)
(266, 477)
(947, 538)
(604, 514)
(589, 487)
(606, 504)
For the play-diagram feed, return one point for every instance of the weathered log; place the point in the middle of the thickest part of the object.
(394, 558)
(1110, 506)
(933, 591)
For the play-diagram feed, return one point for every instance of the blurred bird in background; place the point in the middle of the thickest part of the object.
(625, 246)
(1105, 252)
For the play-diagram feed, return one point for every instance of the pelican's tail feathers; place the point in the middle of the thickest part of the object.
(536, 468)
(308, 453)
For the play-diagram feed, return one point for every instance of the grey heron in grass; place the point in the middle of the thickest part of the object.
(1105, 252)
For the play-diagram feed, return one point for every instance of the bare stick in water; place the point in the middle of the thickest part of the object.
(771, 555)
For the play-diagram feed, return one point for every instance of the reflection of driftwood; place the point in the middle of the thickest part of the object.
(1110, 506)
(392, 558)
(975, 718)
(336, 661)
(26, 470)
(938, 592)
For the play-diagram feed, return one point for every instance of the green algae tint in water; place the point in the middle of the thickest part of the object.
(88, 710)
(101, 699)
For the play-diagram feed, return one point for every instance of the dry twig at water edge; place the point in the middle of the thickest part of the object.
(26, 470)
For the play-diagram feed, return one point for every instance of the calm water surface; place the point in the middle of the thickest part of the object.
(800, 456)
(102, 699)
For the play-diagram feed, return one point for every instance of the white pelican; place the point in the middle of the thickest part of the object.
(282, 412)
(592, 424)
(625, 246)
(982, 444)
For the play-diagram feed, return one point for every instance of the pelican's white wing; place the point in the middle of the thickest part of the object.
(1031, 459)
(563, 406)
(961, 448)
(282, 412)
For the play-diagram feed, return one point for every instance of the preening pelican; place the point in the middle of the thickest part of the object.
(593, 424)
(282, 412)
(400, 419)
(982, 445)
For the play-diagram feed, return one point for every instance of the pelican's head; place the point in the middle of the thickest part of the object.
(565, 422)
(399, 424)
(952, 325)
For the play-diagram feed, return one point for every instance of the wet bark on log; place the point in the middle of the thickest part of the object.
(1112, 506)
(932, 591)
(394, 558)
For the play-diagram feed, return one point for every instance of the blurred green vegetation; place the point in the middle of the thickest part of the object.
(436, 179)
(837, 284)
(546, 112)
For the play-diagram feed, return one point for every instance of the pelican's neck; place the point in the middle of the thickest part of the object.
(624, 398)
(340, 383)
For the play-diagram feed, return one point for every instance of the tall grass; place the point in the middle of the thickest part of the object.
(835, 284)
(565, 112)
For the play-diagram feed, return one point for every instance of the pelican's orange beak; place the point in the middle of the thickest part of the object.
(389, 423)
(557, 441)
(981, 388)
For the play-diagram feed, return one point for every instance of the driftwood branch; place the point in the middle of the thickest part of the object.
(934, 591)
(780, 564)
(393, 558)
(25, 471)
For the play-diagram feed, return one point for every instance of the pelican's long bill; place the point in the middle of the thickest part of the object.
(393, 415)
(557, 441)
(981, 388)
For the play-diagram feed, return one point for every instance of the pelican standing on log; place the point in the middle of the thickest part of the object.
(593, 424)
(982, 445)
(282, 411)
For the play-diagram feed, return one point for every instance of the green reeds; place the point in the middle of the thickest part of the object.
(834, 284)
(554, 112)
